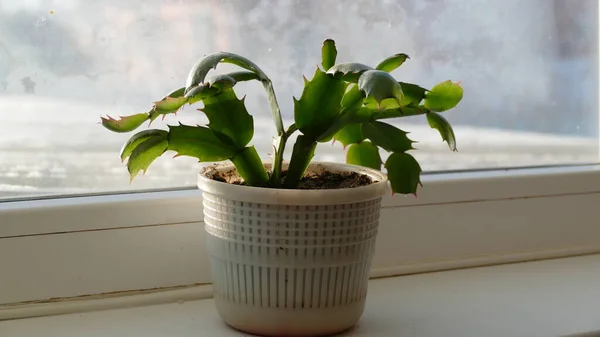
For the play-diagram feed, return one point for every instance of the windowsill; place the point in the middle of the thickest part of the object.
(545, 298)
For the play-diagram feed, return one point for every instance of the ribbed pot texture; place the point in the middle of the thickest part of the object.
(291, 262)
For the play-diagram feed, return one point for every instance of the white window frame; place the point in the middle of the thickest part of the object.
(77, 246)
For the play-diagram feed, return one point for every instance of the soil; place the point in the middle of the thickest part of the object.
(330, 180)
(323, 181)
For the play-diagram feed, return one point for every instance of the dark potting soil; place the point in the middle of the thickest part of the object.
(323, 181)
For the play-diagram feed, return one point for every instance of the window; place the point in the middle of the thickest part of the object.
(529, 70)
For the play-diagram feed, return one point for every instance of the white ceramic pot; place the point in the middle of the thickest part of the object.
(291, 262)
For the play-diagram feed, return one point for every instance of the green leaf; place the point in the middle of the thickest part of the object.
(349, 72)
(352, 97)
(144, 154)
(438, 122)
(229, 119)
(380, 85)
(413, 95)
(124, 123)
(199, 142)
(404, 173)
(200, 92)
(387, 136)
(139, 138)
(319, 104)
(443, 96)
(250, 167)
(391, 63)
(328, 54)
(364, 154)
(385, 104)
(351, 133)
(171, 103)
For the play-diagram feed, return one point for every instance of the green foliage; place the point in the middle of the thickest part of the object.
(351, 133)
(380, 85)
(124, 123)
(199, 142)
(386, 136)
(328, 54)
(364, 154)
(250, 166)
(139, 138)
(171, 103)
(145, 153)
(345, 102)
(319, 104)
(302, 154)
(229, 119)
(391, 63)
(404, 173)
(443, 96)
(438, 122)
(349, 72)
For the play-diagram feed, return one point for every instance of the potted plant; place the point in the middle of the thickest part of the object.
(291, 243)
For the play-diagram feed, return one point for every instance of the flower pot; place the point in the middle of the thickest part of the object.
(291, 262)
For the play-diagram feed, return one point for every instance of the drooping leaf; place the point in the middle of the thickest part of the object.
(221, 82)
(328, 54)
(353, 97)
(404, 173)
(228, 80)
(349, 72)
(438, 122)
(229, 119)
(124, 123)
(351, 133)
(145, 153)
(380, 85)
(444, 96)
(364, 154)
(139, 138)
(198, 142)
(275, 111)
(199, 71)
(250, 167)
(391, 63)
(387, 136)
(319, 104)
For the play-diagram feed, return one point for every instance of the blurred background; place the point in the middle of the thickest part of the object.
(529, 70)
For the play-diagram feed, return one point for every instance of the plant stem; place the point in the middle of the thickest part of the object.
(250, 167)
(304, 150)
(278, 160)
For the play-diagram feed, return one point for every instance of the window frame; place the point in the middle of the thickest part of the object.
(84, 245)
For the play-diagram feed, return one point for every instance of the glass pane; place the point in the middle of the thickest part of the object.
(528, 68)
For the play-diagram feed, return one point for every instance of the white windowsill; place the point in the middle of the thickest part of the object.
(134, 242)
(545, 298)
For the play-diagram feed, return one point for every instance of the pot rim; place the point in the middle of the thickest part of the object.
(296, 197)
